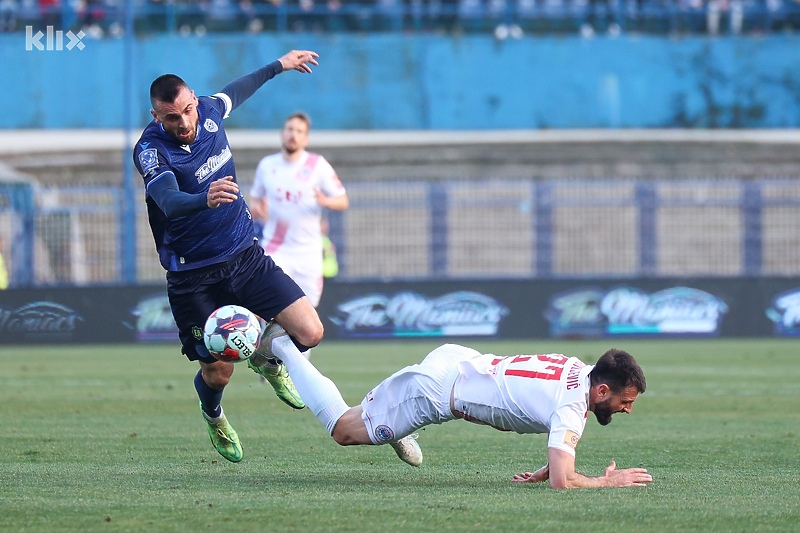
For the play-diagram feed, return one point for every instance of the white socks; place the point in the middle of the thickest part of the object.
(318, 392)
(214, 421)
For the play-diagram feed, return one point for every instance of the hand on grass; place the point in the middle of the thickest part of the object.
(629, 477)
(533, 477)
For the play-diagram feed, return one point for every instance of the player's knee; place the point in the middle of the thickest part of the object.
(316, 334)
(216, 381)
(347, 430)
(343, 438)
(217, 376)
(311, 335)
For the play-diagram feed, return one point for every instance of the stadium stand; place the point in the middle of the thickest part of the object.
(503, 18)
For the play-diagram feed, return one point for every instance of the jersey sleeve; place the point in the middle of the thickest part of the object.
(151, 161)
(566, 427)
(240, 89)
(330, 183)
(222, 102)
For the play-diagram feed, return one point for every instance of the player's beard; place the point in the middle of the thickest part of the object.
(187, 140)
(290, 150)
(602, 411)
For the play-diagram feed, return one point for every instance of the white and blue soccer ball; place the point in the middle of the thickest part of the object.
(232, 333)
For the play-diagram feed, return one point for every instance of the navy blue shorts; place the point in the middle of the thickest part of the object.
(251, 279)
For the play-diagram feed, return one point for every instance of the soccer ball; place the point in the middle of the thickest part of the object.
(232, 334)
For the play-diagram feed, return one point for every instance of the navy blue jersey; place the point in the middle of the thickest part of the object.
(205, 237)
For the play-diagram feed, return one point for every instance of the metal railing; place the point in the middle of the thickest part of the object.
(453, 230)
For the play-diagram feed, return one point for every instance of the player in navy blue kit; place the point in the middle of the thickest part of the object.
(205, 239)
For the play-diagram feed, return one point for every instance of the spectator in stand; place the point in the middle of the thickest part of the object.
(9, 10)
(191, 17)
(319, 16)
(91, 17)
(601, 15)
(252, 23)
(792, 13)
(50, 12)
(223, 15)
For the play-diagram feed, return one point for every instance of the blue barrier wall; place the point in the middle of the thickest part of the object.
(424, 82)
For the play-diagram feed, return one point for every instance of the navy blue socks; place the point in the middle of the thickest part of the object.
(209, 398)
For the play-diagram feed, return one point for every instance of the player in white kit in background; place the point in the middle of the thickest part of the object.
(289, 193)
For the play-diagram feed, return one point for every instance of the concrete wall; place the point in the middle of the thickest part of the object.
(423, 82)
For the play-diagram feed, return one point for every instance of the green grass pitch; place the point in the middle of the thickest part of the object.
(110, 438)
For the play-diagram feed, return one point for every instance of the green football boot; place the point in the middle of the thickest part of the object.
(278, 377)
(224, 438)
(267, 365)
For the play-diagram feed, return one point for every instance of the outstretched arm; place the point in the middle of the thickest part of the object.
(563, 474)
(243, 88)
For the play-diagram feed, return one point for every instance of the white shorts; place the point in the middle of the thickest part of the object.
(414, 397)
(305, 270)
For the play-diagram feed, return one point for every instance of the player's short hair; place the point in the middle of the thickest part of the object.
(299, 115)
(619, 370)
(165, 88)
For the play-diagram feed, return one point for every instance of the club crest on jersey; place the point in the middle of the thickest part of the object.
(214, 163)
(148, 160)
(384, 433)
(210, 125)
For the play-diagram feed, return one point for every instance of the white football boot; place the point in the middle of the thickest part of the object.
(408, 450)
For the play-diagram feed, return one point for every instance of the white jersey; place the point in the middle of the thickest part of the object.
(546, 393)
(292, 234)
(523, 393)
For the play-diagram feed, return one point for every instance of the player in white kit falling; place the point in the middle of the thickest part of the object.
(544, 393)
(289, 193)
